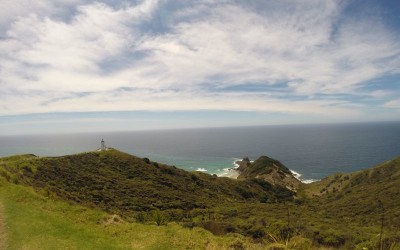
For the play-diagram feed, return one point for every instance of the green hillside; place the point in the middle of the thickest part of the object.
(270, 170)
(113, 200)
(360, 196)
(360, 199)
(33, 221)
(122, 183)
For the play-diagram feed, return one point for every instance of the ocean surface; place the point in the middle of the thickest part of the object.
(314, 151)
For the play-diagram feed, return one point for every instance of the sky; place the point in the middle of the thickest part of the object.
(83, 65)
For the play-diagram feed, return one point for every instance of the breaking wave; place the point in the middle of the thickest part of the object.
(297, 175)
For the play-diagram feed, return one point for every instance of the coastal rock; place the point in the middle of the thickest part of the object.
(243, 164)
(270, 170)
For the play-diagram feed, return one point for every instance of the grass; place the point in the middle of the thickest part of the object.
(92, 200)
(3, 235)
(36, 222)
(32, 219)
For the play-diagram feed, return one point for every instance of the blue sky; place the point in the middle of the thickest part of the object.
(82, 65)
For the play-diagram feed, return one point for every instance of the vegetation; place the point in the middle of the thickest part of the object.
(269, 170)
(124, 184)
(112, 200)
(264, 165)
(36, 222)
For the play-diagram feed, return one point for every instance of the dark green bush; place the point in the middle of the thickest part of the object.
(160, 218)
(281, 230)
(331, 238)
(256, 232)
(214, 227)
(5, 175)
(140, 217)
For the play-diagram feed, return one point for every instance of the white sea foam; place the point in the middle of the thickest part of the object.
(229, 172)
(297, 175)
(309, 181)
(236, 160)
(233, 173)
(235, 164)
(201, 169)
(224, 172)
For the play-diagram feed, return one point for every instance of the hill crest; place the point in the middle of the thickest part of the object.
(270, 170)
(113, 180)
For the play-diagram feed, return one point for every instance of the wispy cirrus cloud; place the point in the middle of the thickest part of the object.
(77, 56)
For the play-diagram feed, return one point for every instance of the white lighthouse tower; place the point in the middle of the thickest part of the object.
(103, 145)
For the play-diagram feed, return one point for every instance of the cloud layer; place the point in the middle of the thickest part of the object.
(309, 57)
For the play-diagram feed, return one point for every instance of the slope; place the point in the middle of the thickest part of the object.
(3, 235)
(270, 170)
(34, 221)
(365, 192)
(362, 198)
(121, 183)
(341, 211)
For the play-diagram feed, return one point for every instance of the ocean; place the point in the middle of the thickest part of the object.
(314, 151)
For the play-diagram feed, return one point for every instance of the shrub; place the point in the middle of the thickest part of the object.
(190, 225)
(299, 243)
(281, 231)
(390, 242)
(5, 175)
(217, 228)
(14, 179)
(160, 218)
(238, 245)
(283, 194)
(331, 238)
(27, 169)
(245, 193)
(140, 217)
(257, 232)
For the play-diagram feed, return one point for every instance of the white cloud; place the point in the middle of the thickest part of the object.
(10, 10)
(120, 60)
(395, 104)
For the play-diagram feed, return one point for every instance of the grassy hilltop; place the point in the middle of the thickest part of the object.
(113, 200)
(270, 170)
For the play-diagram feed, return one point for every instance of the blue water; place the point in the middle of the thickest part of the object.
(315, 151)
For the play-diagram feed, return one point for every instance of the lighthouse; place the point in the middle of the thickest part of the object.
(103, 145)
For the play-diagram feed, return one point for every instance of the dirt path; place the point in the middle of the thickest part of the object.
(2, 229)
